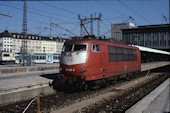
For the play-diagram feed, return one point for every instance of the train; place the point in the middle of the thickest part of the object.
(31, 58)
(39, 58)
(90, 62)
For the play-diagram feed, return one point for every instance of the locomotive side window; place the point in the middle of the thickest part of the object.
(112, 54)
(119, 54)
(125, 54)
(130, 54)
(134, 55)
(95, 48)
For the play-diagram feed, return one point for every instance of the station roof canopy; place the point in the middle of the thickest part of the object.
(146, 49)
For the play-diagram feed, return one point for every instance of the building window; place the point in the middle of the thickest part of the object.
(10, 50)
(6, 55)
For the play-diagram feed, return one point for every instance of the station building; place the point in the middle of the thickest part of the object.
(10, 44)
(152, 36)
(116, 29)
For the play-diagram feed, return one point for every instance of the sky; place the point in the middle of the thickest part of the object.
(60, 17)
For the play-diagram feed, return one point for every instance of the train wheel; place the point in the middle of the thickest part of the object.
(81, 84)
(128, 77)
(57, 84)
(85, 87)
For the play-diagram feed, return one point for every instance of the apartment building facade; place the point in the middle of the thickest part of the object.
(11, 43)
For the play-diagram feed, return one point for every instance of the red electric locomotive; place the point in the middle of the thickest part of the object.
(93, 61)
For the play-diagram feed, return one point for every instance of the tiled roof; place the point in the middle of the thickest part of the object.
(30, 36)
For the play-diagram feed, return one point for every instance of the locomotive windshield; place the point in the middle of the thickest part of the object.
(74, 47)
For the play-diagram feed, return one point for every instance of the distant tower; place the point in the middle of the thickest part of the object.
(24, 32)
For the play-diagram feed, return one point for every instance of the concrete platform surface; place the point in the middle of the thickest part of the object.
(25, 85)
(153, 65)
(15, 80)
(157, 101)
(4, 69)
(21, 81)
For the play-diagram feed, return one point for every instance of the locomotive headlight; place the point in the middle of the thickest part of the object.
(82, 70)
(60, 69)
(73, 69)
(70, 69)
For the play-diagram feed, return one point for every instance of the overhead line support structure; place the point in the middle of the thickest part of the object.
(24, 54)
(84, 21)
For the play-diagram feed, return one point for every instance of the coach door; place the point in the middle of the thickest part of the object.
(49, 58)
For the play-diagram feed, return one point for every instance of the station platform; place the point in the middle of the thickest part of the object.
(30, 75)
(5, 69)
(30, 79)
(153, 65)
(157, 101)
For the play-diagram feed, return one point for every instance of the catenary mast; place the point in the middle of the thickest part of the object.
(24, 40)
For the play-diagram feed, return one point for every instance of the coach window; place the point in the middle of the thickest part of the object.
(95, 48)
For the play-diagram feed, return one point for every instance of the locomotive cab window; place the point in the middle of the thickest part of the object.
(67, 48)
(79, 47)
(95, 48)
(74, 47)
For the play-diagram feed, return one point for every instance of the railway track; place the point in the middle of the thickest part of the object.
(114, 94)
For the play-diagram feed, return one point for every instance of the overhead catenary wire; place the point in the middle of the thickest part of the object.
(64, 22)
(158, 10)
(59, 8)
(20, 9)
(117, 11)
(130, 18)
(66, 19)
(135, 12)
(56, 25)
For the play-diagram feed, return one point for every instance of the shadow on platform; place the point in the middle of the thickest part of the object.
(165, 69)
(49, 76)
